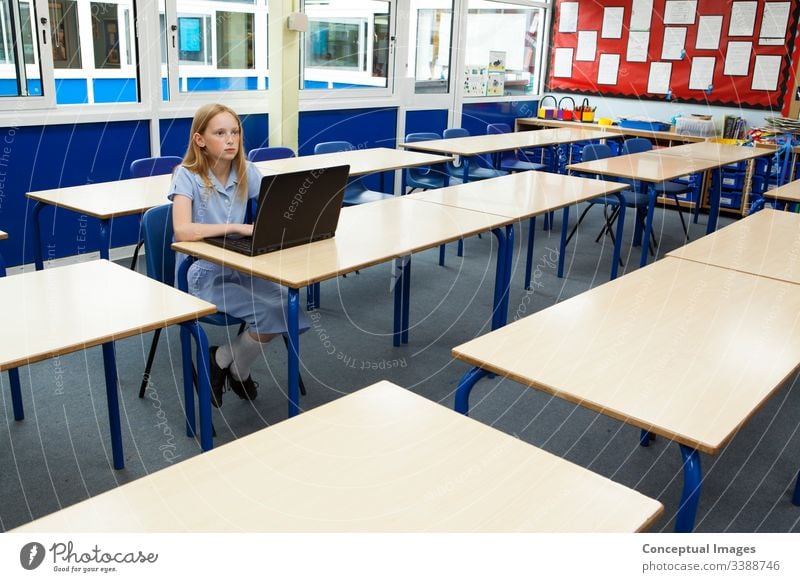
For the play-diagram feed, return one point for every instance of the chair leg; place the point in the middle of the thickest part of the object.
(680, 215)
(149, 365)
(194, 383)
(299, 376)
(575, 228)
(608, 228)
(135, 257)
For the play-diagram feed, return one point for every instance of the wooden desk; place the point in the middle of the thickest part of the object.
(766, 243)
(675, 349)
(787, 193)
(362, 161)
(615, 130)
(104, 201)
(379, 460)
(62, 310)
(526, 195)
(367, 235)
(484, 144)
(722, 154)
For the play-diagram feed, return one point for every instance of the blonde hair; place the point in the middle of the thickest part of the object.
(196, 158)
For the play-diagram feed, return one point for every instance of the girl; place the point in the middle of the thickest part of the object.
(210, 192)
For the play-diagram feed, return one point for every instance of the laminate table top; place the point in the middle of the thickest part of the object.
(381, 459)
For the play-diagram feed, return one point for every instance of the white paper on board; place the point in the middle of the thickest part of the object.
(587, 45)
(562, 63)
(659, 79)
(608, 69)
(765, 72)
(701, 76)
(743, 18)
(637, 46)
(774, 20)
(680, 11)
(709, 30)
(737, 58)
(612, 22)
(641, 14)
(674, 43)
(568, 22)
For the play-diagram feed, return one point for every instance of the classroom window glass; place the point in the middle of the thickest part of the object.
(222, 45)
(502, 48)
(347, 44)
(65, 38)
(18, 76)
(429, 44)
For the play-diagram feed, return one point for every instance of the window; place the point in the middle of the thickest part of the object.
(502, 48)
(64, 38)
(20, 67)
(429, 45)
(222, 45)
(347, 44)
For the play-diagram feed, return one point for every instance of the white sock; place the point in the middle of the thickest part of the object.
(224, 355)
(245, 351)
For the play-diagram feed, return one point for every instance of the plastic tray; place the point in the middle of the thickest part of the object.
(644, 125)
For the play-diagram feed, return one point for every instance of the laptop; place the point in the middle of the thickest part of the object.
(293, 209)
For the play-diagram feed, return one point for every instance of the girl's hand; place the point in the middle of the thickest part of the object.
(245, 229)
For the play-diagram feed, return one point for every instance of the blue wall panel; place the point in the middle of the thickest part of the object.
(115, 91)
(476, 116)
(8, 87)
(426, 120)
(222, 84)
(40, 158)
(364, 128)
(71, 91)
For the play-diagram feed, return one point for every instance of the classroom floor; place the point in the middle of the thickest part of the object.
(60, 454)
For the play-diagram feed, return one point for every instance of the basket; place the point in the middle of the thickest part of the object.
(584, 113)
(566, 114)
(547, 112)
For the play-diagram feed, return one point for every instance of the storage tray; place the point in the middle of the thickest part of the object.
(644, 125)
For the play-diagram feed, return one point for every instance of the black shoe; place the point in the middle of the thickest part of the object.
(217, 377)
(244, 389)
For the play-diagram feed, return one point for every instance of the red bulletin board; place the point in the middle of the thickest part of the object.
(632, 77)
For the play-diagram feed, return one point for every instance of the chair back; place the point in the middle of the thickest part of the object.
(495, 128)
(454, 132)
(269, 153)
(157, 231)
(157, 166)
(415, 174)
(595, 151)
(636, 145)
(329, 147)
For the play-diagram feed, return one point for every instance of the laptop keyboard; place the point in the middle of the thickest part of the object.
(242, 245)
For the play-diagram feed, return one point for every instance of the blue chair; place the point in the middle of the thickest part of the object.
(514, 160)
(424, 177)
(144, 168)
(633, 199)
(355, 193)
(269, 153)
(160, 259)
(479, 167)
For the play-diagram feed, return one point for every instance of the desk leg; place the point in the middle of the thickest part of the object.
(563, 245)
(16, 394)
(188, 387)
(529, 255)
(648, 224)
(690, 497)
(36, 235)
(406, 298)
(796, 496)
(713, 210)
(110, 367)
(105, 239)
(293, 302)
(203, 385)
(465, 387)
(509, 256)
(618, 241)
(500, 288)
